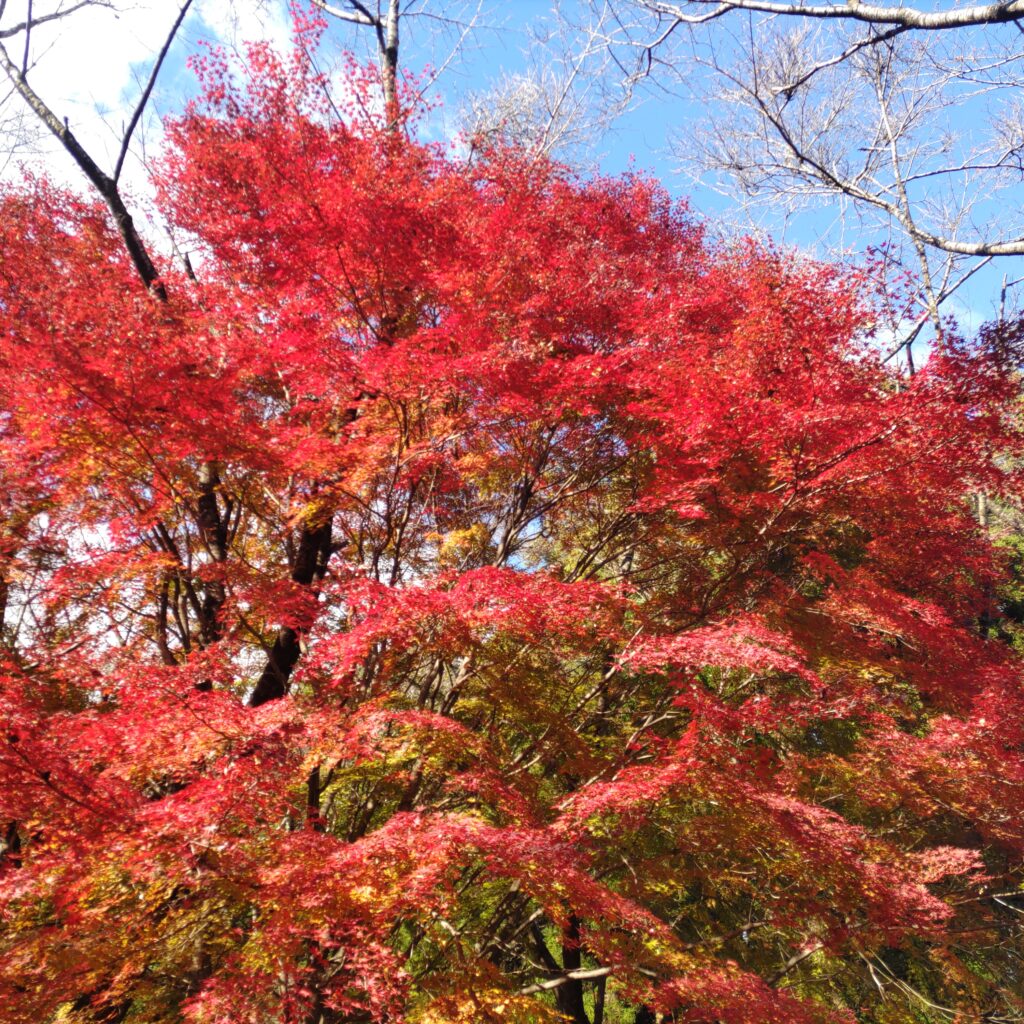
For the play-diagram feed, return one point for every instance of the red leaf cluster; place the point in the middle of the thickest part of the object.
(474, 578)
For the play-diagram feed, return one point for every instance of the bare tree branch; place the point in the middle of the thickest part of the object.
(31, 23)
(148, 90)
(359, 16)
(592, 974)
(465, 30)
(909, 133)
(852, 10)
(870, 125)
(561, 102)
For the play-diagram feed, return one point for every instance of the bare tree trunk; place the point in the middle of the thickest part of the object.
(387, 41)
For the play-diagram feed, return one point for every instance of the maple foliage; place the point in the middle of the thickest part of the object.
(474, 596)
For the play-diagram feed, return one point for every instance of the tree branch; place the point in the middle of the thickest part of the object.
(359, 16)
(147, 91)
(31, 23)
(589, 974)
(853, 10)
(103, 183)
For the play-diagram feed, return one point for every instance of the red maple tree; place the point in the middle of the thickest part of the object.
(473, 596)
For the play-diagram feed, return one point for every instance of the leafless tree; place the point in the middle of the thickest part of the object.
(563, 102)
(906, 121)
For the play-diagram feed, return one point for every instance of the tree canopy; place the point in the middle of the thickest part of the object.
(465, 593)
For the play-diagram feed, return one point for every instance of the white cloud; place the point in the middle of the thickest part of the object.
(90, 66)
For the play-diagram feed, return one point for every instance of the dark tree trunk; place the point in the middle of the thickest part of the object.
(311, 559)
(569, 997)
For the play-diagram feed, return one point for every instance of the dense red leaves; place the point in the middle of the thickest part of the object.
(643, 609)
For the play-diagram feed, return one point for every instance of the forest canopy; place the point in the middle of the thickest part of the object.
(462, 591)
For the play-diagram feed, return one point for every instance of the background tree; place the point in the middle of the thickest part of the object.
(563, 103)
(906, 120)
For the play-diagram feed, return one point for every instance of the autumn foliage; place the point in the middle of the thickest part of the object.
(472, 596)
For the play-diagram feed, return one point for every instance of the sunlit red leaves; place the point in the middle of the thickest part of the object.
(649, 602)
